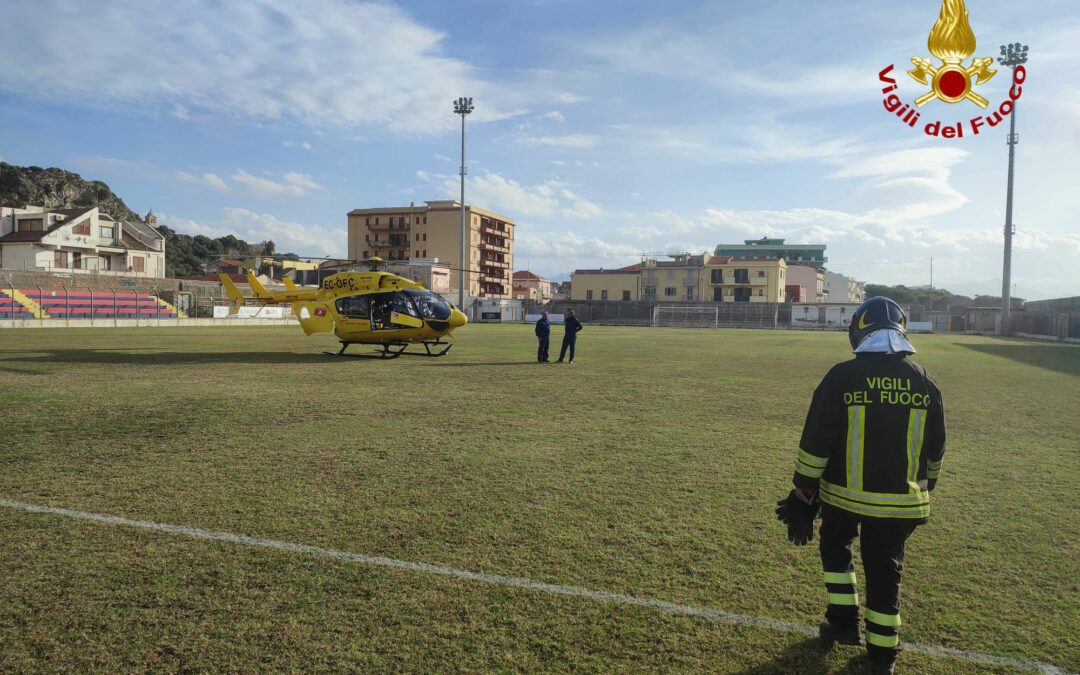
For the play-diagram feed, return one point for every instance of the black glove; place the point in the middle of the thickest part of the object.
(799, 518)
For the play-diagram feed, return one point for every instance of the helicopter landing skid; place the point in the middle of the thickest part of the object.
(428, 345)
(388, 351)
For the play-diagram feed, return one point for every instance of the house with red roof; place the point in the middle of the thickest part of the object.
(531, 286)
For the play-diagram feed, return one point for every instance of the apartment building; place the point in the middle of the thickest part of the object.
(812, 278)
(79, 240)
(622, 283)
(686, 278)
(792, 254)
(432, 230)
(840, 288)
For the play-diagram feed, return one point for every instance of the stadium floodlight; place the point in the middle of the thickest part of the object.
(463, 106)
(1012, 56)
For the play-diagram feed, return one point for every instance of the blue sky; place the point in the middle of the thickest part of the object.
(606, 129)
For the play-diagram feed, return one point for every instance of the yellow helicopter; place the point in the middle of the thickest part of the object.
(369, 308)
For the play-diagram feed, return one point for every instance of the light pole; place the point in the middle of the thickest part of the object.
(463, 106)
(1012, 55)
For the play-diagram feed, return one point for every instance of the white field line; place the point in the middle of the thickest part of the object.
(518, 582)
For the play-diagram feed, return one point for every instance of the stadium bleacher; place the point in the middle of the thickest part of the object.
(84, 305)
(13, 309)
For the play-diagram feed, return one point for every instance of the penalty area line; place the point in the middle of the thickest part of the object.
(714, 615)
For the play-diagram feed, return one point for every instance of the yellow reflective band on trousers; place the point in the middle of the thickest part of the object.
(856, 435)
(882, 619)
(916, 424)
(840, 578)
(887, 641)
(843, 598)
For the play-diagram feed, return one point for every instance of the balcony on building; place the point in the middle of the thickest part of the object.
(497, 244)
(494, 227)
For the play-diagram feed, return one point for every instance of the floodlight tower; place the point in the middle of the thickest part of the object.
(1012, 55)
(463, 106)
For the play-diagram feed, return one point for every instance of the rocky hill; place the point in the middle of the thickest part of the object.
(56, 188)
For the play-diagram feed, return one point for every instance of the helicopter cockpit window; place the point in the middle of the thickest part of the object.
(354, 307)
(430, 305)
(402, 304)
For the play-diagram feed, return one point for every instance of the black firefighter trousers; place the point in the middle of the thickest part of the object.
(882, 546)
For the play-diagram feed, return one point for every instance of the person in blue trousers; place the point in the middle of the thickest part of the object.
(573, 327)
(543, 336)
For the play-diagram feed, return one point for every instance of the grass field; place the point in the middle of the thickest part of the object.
(649, 468)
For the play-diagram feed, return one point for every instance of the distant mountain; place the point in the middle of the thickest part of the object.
(55, 188)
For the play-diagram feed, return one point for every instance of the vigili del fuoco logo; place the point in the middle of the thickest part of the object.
(952, 81)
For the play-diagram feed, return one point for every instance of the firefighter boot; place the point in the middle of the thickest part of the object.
(845, 635)
(881, 668)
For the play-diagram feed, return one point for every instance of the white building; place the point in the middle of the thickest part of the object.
(843, 289)
(79, 240)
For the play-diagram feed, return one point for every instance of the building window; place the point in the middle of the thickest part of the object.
(425, 252)
(365, 254)
(60, 259)
(425, 222)
(367, 237)
(82, 228)
(626, 295)
(588, 295)
(603, 295)
(689, 293)
(105, 232)
(138, 264)
(760, 292)
(417, 237)
(650, 291)
(367, 221)
(670, 291)
(742, 276)
(417, 253)
(425, 234)
(717, 276)
(761, 273)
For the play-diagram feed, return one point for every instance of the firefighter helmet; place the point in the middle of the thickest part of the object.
(873, 315)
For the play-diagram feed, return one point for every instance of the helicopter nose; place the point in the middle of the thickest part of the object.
(457, 319)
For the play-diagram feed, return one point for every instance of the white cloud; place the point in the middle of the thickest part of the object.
(213, 180)
(289, 237)
(442, 158)
(300, 238)
(295, 184)
(549, 199)
(304, 145)
(556, 116)
(320, 62)
(564, 141)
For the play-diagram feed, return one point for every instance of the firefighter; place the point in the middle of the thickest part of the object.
(870, 453)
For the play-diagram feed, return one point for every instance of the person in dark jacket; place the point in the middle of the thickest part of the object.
(871, 452)
(543, 337)
(573, 327)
